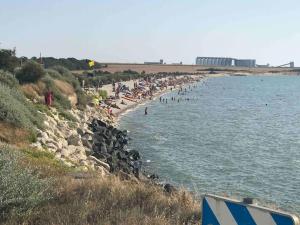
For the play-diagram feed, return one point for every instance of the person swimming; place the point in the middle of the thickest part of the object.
(146, 111)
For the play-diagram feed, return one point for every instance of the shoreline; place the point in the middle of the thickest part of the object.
(118, 113)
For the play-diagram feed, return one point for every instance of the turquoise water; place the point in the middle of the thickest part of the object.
(237, 135)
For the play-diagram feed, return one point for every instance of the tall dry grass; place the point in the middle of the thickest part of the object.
(110, 201)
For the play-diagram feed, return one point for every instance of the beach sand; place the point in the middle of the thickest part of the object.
(131, 104)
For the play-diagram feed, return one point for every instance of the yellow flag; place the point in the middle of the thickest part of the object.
(91, 63)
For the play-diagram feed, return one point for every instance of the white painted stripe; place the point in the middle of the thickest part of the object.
(221, 211)
(260, 217)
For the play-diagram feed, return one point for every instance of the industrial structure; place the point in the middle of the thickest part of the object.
(290, 64)
(161, 61)
(244, 62)
(221, 61)
(214, 61)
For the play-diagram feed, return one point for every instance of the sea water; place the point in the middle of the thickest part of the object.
(236, 136)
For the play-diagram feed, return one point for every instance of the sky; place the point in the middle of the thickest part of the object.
(148, 30)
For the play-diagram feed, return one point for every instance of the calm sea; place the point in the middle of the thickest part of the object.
(238, 136)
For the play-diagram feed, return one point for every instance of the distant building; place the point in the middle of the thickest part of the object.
(161, 61)
(245, 62)
(214, 61)
(221, 61)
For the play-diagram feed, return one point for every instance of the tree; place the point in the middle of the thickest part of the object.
(8, 59)
(30, 72)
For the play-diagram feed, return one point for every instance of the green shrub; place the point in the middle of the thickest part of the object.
(8, 79)
(20, 189)
(83, 100)
(60, 69)
(54, 74)
(67, 115)
(103, 94)
(17, 110)
(30, 72)
(8, 59)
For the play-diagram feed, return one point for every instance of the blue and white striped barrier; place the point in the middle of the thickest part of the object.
(224, 211)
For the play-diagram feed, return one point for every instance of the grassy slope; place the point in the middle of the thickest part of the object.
(57, 197)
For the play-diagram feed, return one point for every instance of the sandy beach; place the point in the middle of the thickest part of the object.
(131, 103)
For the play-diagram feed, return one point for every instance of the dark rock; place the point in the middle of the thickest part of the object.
(87, 143)
(153, 176)
(134, 155)
(169, 188)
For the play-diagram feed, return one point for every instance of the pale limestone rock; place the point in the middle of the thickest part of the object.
(74, 139)
(46, 123)
(103, 172)
(99, 162)
(37, 145)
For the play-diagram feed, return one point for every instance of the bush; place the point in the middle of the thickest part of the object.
(54, 74)
(8, 59)
(16, 110)
(103, 94)
(20, 190)
(83, 100)
(8, 79)
(30, 72)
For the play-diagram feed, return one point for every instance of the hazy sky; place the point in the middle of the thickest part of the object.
(148, 30)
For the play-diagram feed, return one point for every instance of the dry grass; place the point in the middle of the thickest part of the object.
(109, 201)
(67, 90)
(14, 135)
(64, 87)
(34, 90)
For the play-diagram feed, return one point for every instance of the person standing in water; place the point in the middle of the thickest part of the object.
(146, 111)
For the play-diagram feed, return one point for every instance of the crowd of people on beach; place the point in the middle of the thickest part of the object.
(143, 89)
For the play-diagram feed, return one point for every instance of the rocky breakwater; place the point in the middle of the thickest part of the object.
(109, 145)
(89, 143)
(71, 141)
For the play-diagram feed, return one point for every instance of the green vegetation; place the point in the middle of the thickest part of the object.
(16, 110)
(8, 60)
(30, 72)
(44, 163)
(103, 94)
(69, 63)
(102, 78)
(8, 79)
(20, 189)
